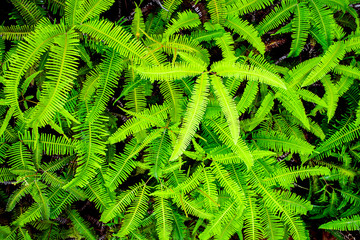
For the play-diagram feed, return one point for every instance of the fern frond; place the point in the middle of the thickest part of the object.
(220, 221)
(96, 193)
(299, 72)
(279, 15)
(328, 61)
(19, 157)
(15, 32)
(330, 96)
(170, 6)
(225, 181)
(348, 71)
(286, 177)
(169, 72)
(17, 195)
(135, 213)
(272, 201)
(194, 113)
(116, 38)
(59, 203)
(31, 214)
(248, 96)
(122, 201)
(109, 72)
(41, 199)
(344, 224)
(310, 97)
(252, 219)
(227, 105)
(245, 30)
(71, 8)
(346, 134)
(273, 228)
(124, 164)
(300, 26)
(217, 10)
(91, 151)
(28, 52)
(28, 10)
(81, 226)
(138, 23)
(280, 142)
(163, 217)
(91, 8)
(291, 101)
(61, 73)
(324, 23)
(247, 6)
(240, 148)
(185, 20)
(225, 43)
(230, 69)
(146, 119)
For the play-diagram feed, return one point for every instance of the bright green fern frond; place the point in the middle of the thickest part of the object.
(194, 114)
(273, 202)
(115, 37)
(96, 193)
(300, 25)
(240, 148)
(90, 149)
(348, 71)
(16, 196)
(122, 201)
(92, 8)
(72, 6)
(286, 177)
(185, 20)
(252, 219)
(291, 101)
(138, 23)
(61, 73)
(124, 164)
(135, 212)
(163, 215)
(280, 142)
(173, 94)
(20, 157)
(169, 72)
(227, 105)
(248, 96)
(277, 16)
(15, 32)
(344, 224)
(28, 10)
(110, 70)
(230, 69)
(324, 23)
(247, 6)
(331, 96)
(225, 181)
(149, 117)
(28, 52)
(346, 134)
(245, 30)
(217, 10)
(328, 61)
(221, 220)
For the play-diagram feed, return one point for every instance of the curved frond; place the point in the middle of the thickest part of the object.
(194, 113)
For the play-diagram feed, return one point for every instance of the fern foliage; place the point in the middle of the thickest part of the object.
(216, 119)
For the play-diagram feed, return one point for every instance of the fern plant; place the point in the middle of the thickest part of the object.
(175, 125)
